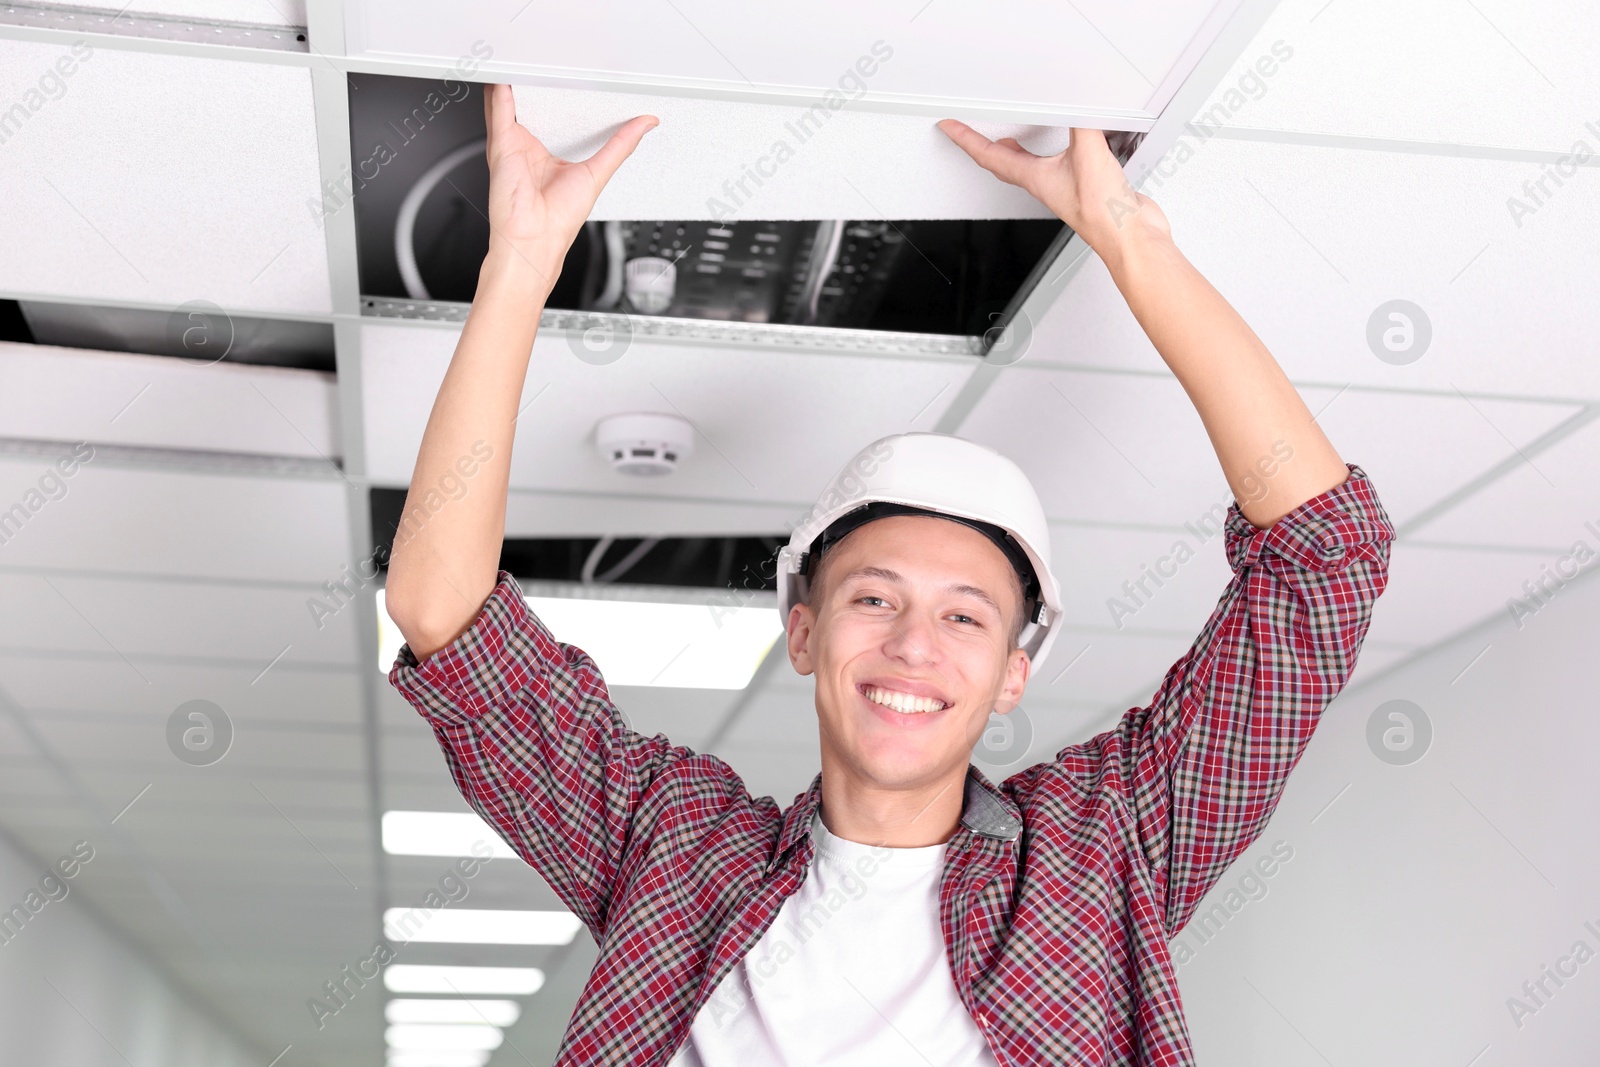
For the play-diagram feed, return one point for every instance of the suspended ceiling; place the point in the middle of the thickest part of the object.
(179, 562)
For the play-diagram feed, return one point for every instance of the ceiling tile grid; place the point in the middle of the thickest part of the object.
(263, 12)
(212, 200)
(128, 595)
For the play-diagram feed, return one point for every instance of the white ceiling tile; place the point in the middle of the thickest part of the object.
(1519, 74)
(117, 618)
(179, 524)
(264, 12)
(1376, 657)
(778, 718)
(26, 780)
(1308, 243)
(686, 716)
(1096, 57)
(773, 426)
(1551, 500)
(213, 199)
(1131, 449)
(724, 160)
(1105, 447)
(1106, 668)
(1436, 591)
(1106, 582)
(1417, 449)
(140, 741)
(782, 773)
(289, 692)
(68, 394)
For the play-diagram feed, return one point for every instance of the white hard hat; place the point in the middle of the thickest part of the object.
(942, 475)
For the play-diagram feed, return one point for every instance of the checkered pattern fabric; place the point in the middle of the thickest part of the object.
(1057, 923)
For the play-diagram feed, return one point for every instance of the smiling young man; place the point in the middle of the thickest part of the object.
(904, 910)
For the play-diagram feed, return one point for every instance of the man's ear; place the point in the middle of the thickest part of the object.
(1018, 667)
(801, 623)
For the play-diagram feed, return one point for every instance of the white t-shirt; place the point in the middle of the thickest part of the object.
(852, 971)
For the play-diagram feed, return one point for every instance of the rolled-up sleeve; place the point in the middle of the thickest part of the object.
(536, 746)
(1205, 763)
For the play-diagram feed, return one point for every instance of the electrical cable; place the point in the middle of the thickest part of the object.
(824, 254)
(588, 577)
(591, 269)
(615, 252)
(405, 222)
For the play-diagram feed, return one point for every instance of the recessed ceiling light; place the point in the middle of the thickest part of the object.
(467, 981)
(438, 1058)
(452, 1037)
(490, 1012)
(709, 642)
(441, 833)
(481, 926)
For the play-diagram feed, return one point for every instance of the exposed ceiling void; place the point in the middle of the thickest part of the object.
(420, 186)
(710, 562)
(196, 330)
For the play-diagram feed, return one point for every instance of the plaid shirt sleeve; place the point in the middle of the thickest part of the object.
(1202, 767)
(536, 746)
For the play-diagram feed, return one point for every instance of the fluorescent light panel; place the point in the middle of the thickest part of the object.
(481, 926)
(466, 981)
(491, 1012)
(438, 1058)
(442, 1037)
(441, 833)
(686, 645)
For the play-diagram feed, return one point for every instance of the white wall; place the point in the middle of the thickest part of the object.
(1420, 901)
(108, 1007)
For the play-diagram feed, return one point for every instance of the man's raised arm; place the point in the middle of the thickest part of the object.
(1274, 456)
(442, 572)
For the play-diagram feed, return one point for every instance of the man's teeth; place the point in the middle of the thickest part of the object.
(903, 702)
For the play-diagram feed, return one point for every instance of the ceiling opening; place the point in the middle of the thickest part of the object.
(711, 562)
(420, 185)
(198, 329)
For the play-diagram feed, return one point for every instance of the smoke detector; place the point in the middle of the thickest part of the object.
(643, 443)
(650, 284)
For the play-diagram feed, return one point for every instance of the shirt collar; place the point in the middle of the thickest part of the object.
(985, 811)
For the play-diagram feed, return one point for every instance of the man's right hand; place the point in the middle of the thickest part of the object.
(446, 557)
(538, 201)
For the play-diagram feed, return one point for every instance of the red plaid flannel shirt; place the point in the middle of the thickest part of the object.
(1062, 886)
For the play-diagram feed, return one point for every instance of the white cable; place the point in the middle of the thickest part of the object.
(405, 223)
(614, 253)
(831, 231)
(586, 576)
